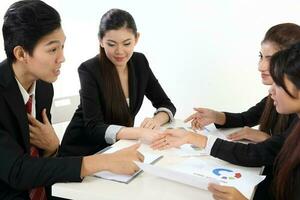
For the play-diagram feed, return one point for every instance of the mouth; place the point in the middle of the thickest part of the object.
(265, 76)
(119, 59)
(57, 71)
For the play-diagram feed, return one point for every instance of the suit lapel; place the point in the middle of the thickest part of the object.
(15, 100)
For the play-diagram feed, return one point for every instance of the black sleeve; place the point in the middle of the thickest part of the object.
(248, 155)
(156, 94)
(23, 172)
(250, 117)
(92, 110)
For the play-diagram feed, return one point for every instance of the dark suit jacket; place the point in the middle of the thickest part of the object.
(250, 117)
(255, 155)
(86, 133)
(19, 172)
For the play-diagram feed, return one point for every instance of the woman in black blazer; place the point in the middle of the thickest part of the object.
(270, 122)
(283, 149)
(27, 139)
(113, 86)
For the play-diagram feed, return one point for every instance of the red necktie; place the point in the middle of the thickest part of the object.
(35, 193)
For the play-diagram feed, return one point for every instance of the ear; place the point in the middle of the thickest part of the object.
(20, 54)
(101, 42)
(137, 37)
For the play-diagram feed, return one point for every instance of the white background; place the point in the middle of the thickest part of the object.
(204, 53)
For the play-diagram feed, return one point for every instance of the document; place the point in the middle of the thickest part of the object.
(197, 173)
(148, 158)
(195, 180)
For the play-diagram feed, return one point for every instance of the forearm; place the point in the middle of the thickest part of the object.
(93, 164)
(196, 139)
(129, 133)
(220, 118)
(161, 118)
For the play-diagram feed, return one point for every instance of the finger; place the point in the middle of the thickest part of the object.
(33, 129)
(140, 157)
(158, 143)
(199, 110)
(220, 188)
(45, 117)
(236, 136)
(145, 121)
(149, 124)
(156, 127)
(33, 121)
(189, 118)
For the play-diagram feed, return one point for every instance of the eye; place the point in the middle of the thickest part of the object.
(110, 44)
(53, 50)
(260, 56)
(127, 44)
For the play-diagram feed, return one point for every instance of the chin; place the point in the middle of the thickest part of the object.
(267, 82)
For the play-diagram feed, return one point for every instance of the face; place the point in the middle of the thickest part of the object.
(119, 45)
(265, 54)
(47, 57)
(284, 103)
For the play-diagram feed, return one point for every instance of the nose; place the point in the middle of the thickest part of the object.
(61, 57)
(119, 49)
(263, 65)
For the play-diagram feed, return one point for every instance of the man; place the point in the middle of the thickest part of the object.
(34, 41)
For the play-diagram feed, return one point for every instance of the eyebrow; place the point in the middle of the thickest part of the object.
(122, 41)
(53, 42)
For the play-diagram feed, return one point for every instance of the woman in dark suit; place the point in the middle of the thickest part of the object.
(113, 86)
(278, 37)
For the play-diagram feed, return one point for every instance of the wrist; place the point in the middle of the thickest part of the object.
(197, 140)
(220, 118)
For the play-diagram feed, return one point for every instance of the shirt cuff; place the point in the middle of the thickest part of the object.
(111, 133)
(166, 110)
(210, 143)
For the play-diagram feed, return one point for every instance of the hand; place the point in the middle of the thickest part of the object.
(170, 138)
(225, 192)
(203, 117)
(42, 135)
(249, 134)
(147, 136)
(150, 123)
(121, 162)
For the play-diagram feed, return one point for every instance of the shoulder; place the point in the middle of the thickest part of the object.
(140, 62)
(139, 58)
(90, 64)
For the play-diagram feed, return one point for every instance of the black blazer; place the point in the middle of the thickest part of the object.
(19, 172)
(86, 133)
(250, 117)
(255, 155)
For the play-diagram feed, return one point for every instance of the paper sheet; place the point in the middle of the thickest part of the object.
(242, 180)
(198, 181)
(148, 158)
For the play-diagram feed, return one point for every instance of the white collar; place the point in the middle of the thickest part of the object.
(26, 94)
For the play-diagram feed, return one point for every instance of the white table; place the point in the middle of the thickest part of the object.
(144, 186)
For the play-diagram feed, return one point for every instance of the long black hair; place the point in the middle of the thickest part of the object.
(286, 64)
(116, 110)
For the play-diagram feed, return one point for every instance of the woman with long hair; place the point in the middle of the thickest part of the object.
(113, 86)
(264, 114)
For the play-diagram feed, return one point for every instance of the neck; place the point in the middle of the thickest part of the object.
(23, 76)
(122, 69)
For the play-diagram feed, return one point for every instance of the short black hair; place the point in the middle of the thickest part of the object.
(25, 23)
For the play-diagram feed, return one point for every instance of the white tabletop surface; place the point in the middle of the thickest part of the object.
(144, 186)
